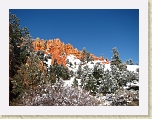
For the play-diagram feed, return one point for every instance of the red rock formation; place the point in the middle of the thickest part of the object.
(101, 58)
(39, 44)
(59, 50)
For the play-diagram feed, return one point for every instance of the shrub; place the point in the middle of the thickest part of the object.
(124, 98)
(58, 95)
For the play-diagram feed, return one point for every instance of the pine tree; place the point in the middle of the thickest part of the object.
(20, 48)
(83, 55)
(28, 77)
(115, 58)
(79, 72)
(127, 62)
(16, 39)
(131, 62)
(90, 84)
(86, 56)
(40, 54)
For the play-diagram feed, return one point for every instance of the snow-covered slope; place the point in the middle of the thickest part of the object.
(132, 67)
(91, 64)
(76, 62)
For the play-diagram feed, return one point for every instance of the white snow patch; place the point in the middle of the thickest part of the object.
(132, 67)
(69, 82)
(48, 62)
(73, 59)
(107, 66)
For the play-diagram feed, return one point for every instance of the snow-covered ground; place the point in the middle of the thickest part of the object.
(76, 62)
(107, 99)
(132, 67)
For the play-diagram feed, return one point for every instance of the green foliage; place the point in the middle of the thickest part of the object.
(19, 42)
(130, 62)
(40, 54)
(79, 72)
(20, 48)
(98, 71)
(59, 70)
(75, 83)
(91, 85)
(27, 77)
(52, 77)
(71, 73)
(15, 31)
(116, 60)
(86, 56)
(105, 81)
(67, 61)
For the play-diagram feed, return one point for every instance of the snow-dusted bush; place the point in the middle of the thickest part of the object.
(104, 81)
(123, 98)
(58, 95)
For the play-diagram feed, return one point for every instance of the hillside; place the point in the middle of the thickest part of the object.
(69, 68)
(51, 73)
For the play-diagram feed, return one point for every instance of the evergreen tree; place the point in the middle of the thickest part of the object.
(28, 77)
(17, 36)
(20, 47)
(40, 54)
(131, 62)
(79, 72)
(75, 83)
(67, 61)
(86, 56)
(71, 73)
(127, 62)
(83, 55)
(116, 60)
(59, 70)
(90, 84)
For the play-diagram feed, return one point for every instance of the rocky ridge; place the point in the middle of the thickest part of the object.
(60, 51)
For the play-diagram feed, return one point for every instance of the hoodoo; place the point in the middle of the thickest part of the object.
(60, 51)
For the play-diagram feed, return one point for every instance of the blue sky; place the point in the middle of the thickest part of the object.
(99, 30)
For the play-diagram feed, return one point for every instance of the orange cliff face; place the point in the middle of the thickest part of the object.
(59, 50)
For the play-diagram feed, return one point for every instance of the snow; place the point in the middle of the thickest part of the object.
(131, 85)
(73, 59)
(74, 67)
(76, 62)
(107, 66)
(69, 82)
(48, 62)
(132, 67)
